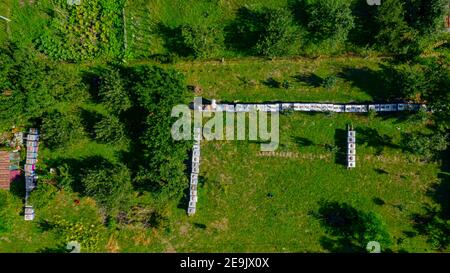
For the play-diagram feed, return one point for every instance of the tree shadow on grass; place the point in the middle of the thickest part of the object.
(340, 140)
(367, 80)
(372, 138)
(173, 40)
(349, 229)
(310, 79)
(243, 33)
(303, 142)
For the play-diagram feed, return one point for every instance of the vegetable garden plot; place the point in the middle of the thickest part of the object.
(137, 29)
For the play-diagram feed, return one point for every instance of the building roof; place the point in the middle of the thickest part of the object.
(4, 170)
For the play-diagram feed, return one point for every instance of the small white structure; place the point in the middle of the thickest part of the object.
(351, 148)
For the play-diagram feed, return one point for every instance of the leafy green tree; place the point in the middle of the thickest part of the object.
(110, 187)
(164, 158)
(426, 15)
(329, 19)
(427, 146)
(394, 35)
(407, 81)
(110, 130)
(351, 229)
(112, 91)
(58, 128)
(278, 35)
(203, 40)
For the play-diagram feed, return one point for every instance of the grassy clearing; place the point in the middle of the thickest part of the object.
(252, 80)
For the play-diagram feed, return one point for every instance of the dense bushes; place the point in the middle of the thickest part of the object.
(329, 19)
(110, 187)
(203, 40)
(59, 129)
(279, 33)
(31, 86)
(112, 91)
(110, 130)
(163, 166)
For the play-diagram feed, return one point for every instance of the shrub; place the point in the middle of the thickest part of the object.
(110, 130)
(203, 40)
(329, 82)
(112, 91)
(405, 81)
(278, 34)
(111, 187)
(58, 128)
(394, 35)
(329, 19)
(426, 15)
(428, 146)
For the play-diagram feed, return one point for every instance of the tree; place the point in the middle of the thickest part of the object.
(351, 229)
(278, 34)
(426, 145)
(58, 128)
(406, 81)
(112, 91)
(163, 168)
(110, 130)
(110, 187)
(203, 40)
(329, 19)
(394, 35)
(426, 16)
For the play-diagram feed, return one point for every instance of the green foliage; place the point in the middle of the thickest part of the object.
(203, 40)
(426, 15)
(110, 130)
(110, 187)
(159, 90)
(87, 235)
(6, 212)
(427, 146)
(394, 35)
(352, 228)
(329, 19)
(59, 129)
(30, 86)
(112, 91)
(406, 81)
(42, 195)
(278, 35)
(329, 82)
(82, 32)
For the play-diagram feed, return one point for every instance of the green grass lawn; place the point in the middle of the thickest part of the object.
(248, 79)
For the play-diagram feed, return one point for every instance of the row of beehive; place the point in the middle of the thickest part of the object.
(351, 149)
(30, 164)
(313, 107)
(193, 197)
